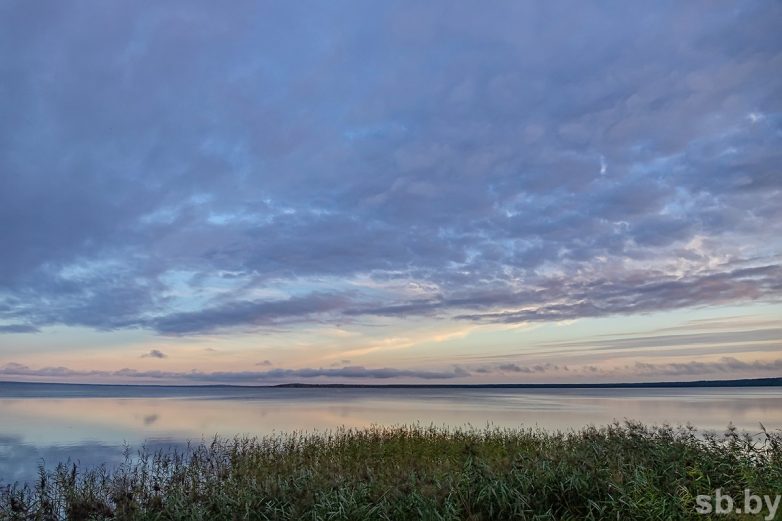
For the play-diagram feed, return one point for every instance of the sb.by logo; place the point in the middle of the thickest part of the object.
(724, 504)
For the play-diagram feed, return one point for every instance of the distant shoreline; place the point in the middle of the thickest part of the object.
(746, 382)
(750, 382)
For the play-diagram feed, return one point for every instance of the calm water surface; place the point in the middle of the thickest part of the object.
(92, 424)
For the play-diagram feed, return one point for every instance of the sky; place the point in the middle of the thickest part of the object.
(390, 192)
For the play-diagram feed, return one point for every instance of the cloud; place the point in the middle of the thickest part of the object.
(249, 313)
(239, 377)
(265, 363)
(636, 292)
(513, 368)
(536, 368)
(563, 162)
(154, 353)
(765, 335)
(18, 328)
(725, 365)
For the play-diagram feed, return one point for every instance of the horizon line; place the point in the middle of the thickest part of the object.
(774, 381)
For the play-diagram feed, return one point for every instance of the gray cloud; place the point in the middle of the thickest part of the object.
(154, 353)
(249, 313)
(525, 161)
(246, 377)
(18, 328)
(536, 368)
(639, 292)
(725, 365)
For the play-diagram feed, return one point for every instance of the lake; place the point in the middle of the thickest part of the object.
(92, 424)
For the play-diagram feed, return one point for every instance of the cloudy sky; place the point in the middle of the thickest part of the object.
(387, 192)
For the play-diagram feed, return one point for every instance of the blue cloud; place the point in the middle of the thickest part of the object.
(520, 161)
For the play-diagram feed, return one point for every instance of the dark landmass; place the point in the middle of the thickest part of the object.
(749, 382)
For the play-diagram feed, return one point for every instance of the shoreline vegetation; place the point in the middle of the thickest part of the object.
(625, 471)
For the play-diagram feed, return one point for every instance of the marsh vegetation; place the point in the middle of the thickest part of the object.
(620, 471)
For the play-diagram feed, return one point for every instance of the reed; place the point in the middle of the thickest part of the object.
(620, 471)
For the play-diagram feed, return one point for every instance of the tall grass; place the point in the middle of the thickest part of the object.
(620, 472)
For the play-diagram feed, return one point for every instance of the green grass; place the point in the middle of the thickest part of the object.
(618, 472)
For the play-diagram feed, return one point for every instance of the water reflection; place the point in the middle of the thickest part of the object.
(92, 424)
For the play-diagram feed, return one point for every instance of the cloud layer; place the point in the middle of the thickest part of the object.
(188, 168)
(724, 368)
(238, 377)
